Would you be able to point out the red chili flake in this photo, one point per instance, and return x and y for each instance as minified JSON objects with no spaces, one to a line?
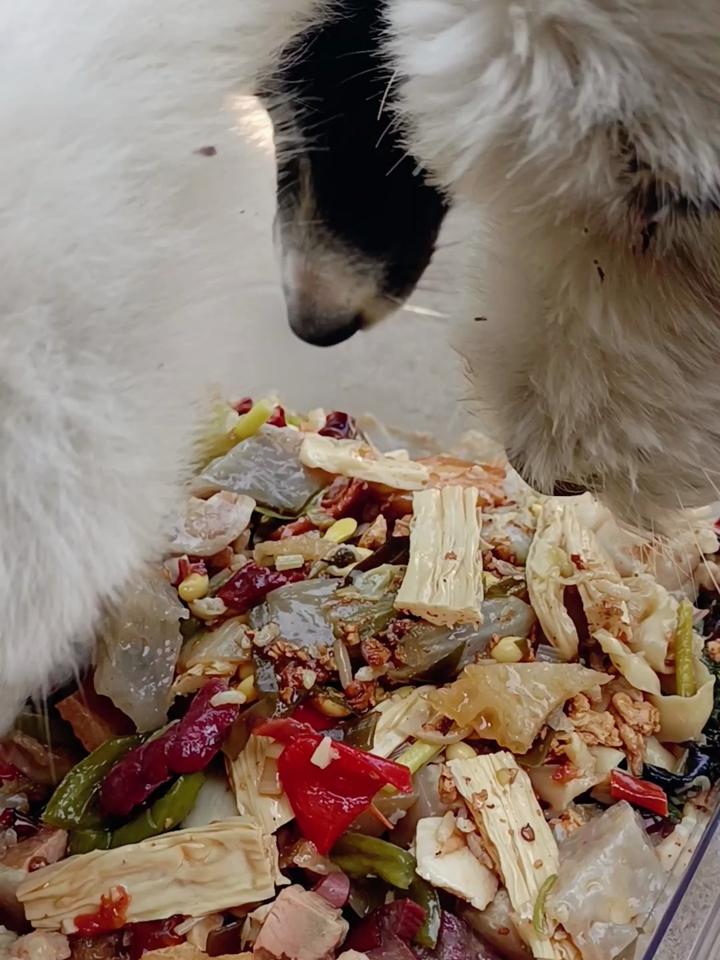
{"x":152,"y":935}
{"x":277,"y":418}
{"x":252,"y":583}
{"x":186,"y":567}
{"x":186,"y":747}
{"x":8,"y":771}
{"x":23,"y":826}
{"x":344,"y":497}
{"x":338,"y":425}
{"x":294,"y":529}
{"x":565,"y":773}
{"x":110,"y":915}
{"x":243,"y":406}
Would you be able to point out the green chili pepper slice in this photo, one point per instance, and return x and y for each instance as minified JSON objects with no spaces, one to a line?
{"x":360,"y":856}
{"x":425,"y":895}
{"x":84,"y":841}
{"x":165,"y":814}
{"x":70,"y":807}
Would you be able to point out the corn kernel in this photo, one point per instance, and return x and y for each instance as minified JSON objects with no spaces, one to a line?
{"x":247,"y":688}
{"x":507,"y":650}
{"x":460,"y":751}
{"x":194,"y":587}
{"x":341,"y":530}
{"x":330,"y":707}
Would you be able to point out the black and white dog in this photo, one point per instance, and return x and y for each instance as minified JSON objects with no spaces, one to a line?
{"x":583,"y":134}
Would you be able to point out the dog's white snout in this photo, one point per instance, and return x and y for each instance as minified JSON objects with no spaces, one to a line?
{"x":329,"y":294}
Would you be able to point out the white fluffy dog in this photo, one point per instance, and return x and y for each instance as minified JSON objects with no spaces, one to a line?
{"x":586,"y":131}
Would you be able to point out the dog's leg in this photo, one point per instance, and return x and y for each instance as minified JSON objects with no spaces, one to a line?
{"x":117,"y":301}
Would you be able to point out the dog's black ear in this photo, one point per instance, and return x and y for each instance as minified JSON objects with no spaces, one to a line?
{"x":350,"y":198}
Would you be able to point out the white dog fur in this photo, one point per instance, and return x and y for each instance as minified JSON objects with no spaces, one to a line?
{"x":112,"y":283}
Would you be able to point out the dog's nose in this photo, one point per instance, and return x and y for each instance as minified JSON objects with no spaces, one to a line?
{"x":324,"y":331}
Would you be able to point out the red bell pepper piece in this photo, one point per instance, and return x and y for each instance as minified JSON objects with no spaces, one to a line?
{"x":304,"y":713}
{"x":277,"y":417}
{"x":327,"y":801}
{"x":640,"y":793}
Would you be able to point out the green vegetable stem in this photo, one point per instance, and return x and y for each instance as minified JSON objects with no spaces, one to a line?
{"x":425,"y":895}
{"x":165,"y":814}
{"x":71,"y":806}
{"x":360,"y":856}
{"x":685,"y":680}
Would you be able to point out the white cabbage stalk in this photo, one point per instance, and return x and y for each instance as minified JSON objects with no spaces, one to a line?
{"x":608,"y":881}
{"x":548,"y":570}
{"x":501,"y":800}
{"x":209,"y":526}
{"x":400,"y":717}
{"x":654,"y":615}
{"x":683,"y":718}
{"x":459,"y":871}
{"x":190,"y":872}
{"x":557,"y":795}
{"x":354,"y":458}
{"x":443,"y":580}
{"x":246,"y":771}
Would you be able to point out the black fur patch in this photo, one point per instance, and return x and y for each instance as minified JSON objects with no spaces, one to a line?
{"x":369,"y":193}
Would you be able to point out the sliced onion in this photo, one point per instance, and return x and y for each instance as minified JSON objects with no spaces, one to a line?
{"x":342,"y":661}
{"x":335,"y":888}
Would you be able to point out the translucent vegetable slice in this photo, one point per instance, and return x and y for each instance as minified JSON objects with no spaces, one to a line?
{"x":500,"y":798}
{"x":443,"y":581}
{"x":191,"y":872}
{"x":609,"y":878}
{"x":208,"y":526}
{"x":356,"y":459}
{"x":137,"y":650}
{"x":510,"y":702}
{"x":265,"y":467}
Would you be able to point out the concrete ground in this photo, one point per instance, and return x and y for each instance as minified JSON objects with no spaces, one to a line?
{"x":403,"y":371}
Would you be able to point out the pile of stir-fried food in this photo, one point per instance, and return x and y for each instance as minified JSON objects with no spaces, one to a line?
{"x":370,"y":707}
